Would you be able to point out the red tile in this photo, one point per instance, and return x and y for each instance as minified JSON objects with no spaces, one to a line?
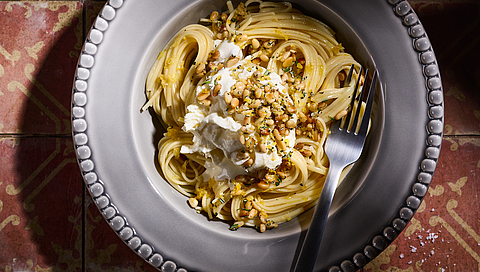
{"x":456,"y":42}
{"x":40,"y":205}
{"x":444,"y":234}
{"x":41,"y":42}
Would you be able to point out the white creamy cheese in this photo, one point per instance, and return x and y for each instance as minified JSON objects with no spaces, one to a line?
{"x":227,"y":49}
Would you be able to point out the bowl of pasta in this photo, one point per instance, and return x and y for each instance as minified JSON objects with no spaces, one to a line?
{"x":202,"y":138}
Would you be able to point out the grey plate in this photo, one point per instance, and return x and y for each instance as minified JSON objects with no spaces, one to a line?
{"x":116,"y":143}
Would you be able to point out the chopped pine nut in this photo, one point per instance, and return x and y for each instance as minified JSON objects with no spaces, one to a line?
{"x":248,"y":163}
{"x":263,"y":185}
{"x":217,"y":89}
{"x":200,"y":68}
{"x":287,"y":62}
{"x":248,"y":205}
{"x":237,"y":225}
{"x":202,"y":96}
{"x":252,"y":213}
{"x":235,"y":102}
{"x":281,"y":145}
{"x":228,"y":98}
{"x":291,"y":124}
{"x":255,"y":44}
{"x":214,"y":16}
{"x":232,"y":62}
{"x":193,"y":202}
{"x":216,"y":55}
{"x":285,"y":56}
{"x":263,"y":228}
{"x":263,"y":147}
{"x":264,"y":58}
{"x":205,"y":102}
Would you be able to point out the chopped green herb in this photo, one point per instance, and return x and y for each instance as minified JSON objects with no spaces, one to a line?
{"x":234,"y":227}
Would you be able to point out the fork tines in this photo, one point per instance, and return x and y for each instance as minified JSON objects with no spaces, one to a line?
{"x":369,"y":100}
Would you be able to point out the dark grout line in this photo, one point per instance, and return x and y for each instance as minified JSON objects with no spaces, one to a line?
{"x":460,"y":136}
{"x":33,"y":135}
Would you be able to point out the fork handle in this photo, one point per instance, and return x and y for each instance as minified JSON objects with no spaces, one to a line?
{"x":311,"y":243}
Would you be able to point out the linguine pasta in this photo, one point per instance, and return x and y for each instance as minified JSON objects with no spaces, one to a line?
{"x":248,"y":96}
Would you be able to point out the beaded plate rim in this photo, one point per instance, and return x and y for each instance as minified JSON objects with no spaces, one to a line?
{"x":118,"y":222}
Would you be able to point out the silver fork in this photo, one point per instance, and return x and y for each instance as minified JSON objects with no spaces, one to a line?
{"x":343,"y":147}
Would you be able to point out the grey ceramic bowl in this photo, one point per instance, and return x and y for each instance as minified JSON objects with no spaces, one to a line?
{"x":116,"y":143}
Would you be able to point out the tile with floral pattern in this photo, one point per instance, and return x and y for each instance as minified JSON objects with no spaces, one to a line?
{"x":40,"y":45}
{"x":40,"y":205}
{"x":444,"y":234}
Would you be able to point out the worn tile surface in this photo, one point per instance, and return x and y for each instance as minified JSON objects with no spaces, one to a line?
{"x":49,"y":223}
{"x":40,"y":204}
{"x":40,"y":44}
{"x":444,"y":234}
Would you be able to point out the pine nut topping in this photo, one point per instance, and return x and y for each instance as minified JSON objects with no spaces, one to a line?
{"x":263,"y":185}
{"x":193,"y":202}
{"x":237,"y":225}
{"x":224,"y":16}
{"x":258,"y":93}
{"x":255,"y":44}
{"x":291,"y":109}
{"x":263,"y":228}
{"x":206,"y":102}
{"x":247,"y":120}
{"x":281,"y":174}
{"x":255,"y":104}
{"x":264,"y":58}
{"x":200,"y":68}
{"x":248,"y":163}
{"x":270,"y":98}
{"x":203,"y":95}
{"x":234,"y":103}
{"x":228,"y":98}
{"x":285,"y":56}
{"x":252,"y":213}
{"x":217,"y":89}
{"x":263,"y":147}
{"x":291,"y":124}
{"x":232,"y":62}
{"x":215,"y":55}
{"x":248,"y":205}
{"x":269,"y":44}
{"x":282,"y":145}
{"x":277,"y":135}
{"x":287,"y":62}
{"x":243,"y":37}
{"x":246,"y":93}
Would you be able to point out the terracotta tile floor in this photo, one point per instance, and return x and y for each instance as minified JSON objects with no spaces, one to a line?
{"x":48,"y":222}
